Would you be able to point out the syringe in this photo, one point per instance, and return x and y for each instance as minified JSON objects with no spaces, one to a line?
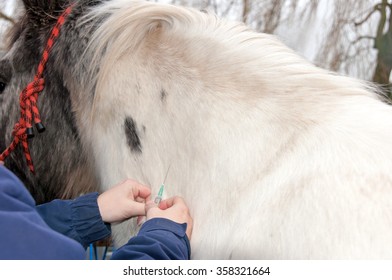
{"x":158,"y":198}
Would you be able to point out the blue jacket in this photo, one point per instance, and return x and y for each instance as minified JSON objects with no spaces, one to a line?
{"x":62,"y":229}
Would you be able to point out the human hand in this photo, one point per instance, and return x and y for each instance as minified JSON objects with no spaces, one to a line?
{"x":123,"y":201}
{"x":1,"y":162}
{"x":173,"y":209}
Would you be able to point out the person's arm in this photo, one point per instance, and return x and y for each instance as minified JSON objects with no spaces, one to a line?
{"x":164,"y":236}
{"x":23,"y":234}
{"x":87,"y":218}
{"x":158,"y":239}
{"x":78,"y":219}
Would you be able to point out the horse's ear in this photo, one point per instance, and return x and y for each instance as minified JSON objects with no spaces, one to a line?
{"x":41,"y":12}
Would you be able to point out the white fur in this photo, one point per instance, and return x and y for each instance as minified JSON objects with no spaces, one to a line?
{"x":276,"y":158}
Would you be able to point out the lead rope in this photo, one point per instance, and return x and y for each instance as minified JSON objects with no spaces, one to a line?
{"x":28,"y":98}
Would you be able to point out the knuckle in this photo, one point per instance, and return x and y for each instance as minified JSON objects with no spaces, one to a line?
{"x":127,"y":182}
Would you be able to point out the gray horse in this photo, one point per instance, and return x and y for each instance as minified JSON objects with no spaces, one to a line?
{"x":275,"y":157}
{"x":61,"y":166}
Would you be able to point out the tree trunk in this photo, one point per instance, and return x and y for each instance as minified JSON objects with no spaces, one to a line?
{"x":245,"y":11}
{"x":383,"y":43}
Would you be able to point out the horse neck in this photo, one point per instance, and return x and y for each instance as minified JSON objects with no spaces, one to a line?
{"x":195,"y":96}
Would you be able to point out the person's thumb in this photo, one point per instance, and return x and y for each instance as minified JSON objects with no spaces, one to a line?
{"x":138,"y":208}
{"x":149,"y":205}
{"x":152,"y":210}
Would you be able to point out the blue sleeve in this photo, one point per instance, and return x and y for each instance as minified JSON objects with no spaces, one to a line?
{"x":158,"y":239}
{"x":23,"y":233}
{"x":78,"y":219}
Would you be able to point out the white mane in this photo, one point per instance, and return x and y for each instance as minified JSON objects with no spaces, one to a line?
{"x":276,"y":158}
{"x":133,"y":25}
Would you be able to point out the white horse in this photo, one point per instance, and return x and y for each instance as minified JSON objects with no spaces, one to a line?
{"x":276,"y":158}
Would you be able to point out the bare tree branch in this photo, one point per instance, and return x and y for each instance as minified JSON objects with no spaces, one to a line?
{"x":360,"y":38}
{"x":369,"y":15}
{"x":7,"y":18}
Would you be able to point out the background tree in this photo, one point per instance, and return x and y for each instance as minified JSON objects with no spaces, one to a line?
{"x":383,"y":43}
{"x":347,"y":36}
{"x":359,"y":43}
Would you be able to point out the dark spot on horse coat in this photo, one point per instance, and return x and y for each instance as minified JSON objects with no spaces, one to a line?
{"x":163,"y":95}
{"x":133,"y":139}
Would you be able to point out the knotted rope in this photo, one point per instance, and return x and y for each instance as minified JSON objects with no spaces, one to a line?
{"x":28,"y":98}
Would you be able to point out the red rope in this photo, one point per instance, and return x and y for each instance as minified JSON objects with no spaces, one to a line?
{"x":29,"y":112}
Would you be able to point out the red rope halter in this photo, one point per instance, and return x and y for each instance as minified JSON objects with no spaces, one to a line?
{"x":29,"y":112}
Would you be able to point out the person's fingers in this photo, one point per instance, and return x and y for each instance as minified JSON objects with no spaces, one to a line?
{"x":138,"y":209}
{"x":168,"y":203}
{"x":149,"y":205}
{"x":140,"y":220}
{"x":183,"y":212}
{"x":140,"y":199}
{"x":141,"y":191}
{"x":189,"y":228}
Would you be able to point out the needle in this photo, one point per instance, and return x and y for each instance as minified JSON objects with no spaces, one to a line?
{"x":158,"y":198}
